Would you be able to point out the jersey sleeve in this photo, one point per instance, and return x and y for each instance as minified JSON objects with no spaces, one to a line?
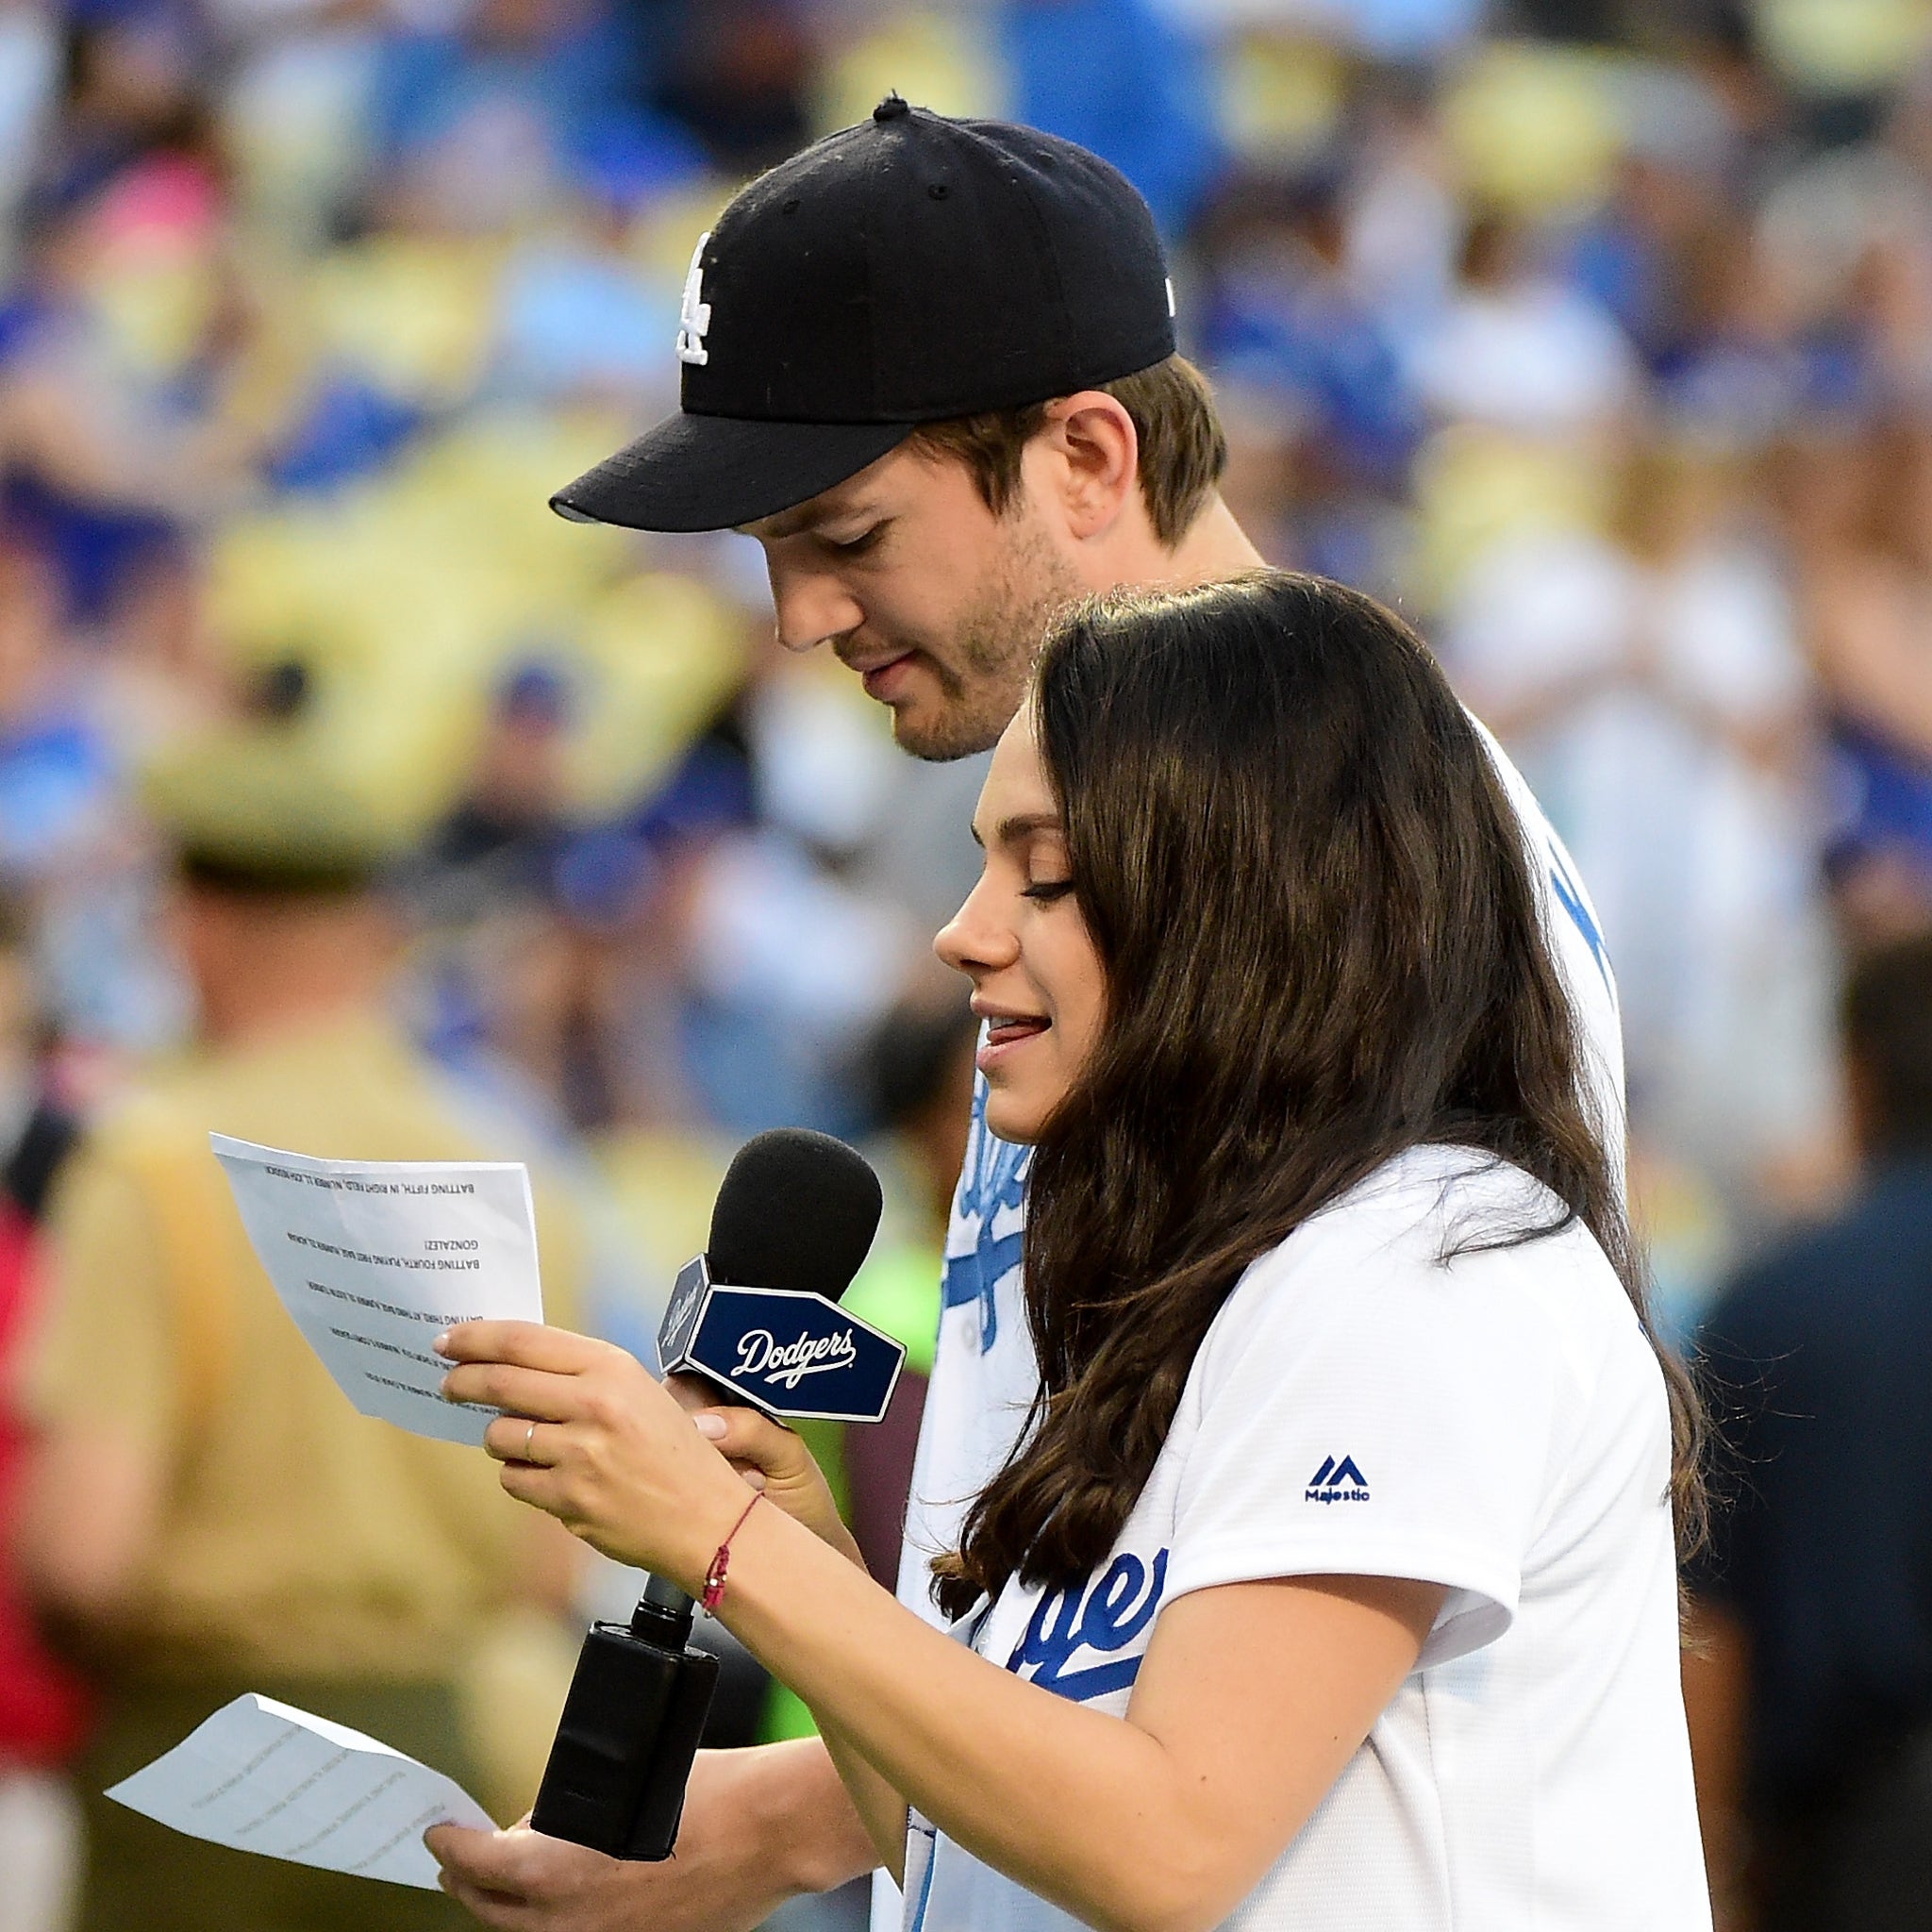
{"x":1383,"y":1415}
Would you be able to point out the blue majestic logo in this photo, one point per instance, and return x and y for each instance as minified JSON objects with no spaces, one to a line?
{"x":1104,"y":1614}
{"x":1326,"y":1483}
{"x":989,"y":1221}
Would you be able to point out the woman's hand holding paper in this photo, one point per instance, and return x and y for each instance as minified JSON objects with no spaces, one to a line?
{"x":589,"y":1436}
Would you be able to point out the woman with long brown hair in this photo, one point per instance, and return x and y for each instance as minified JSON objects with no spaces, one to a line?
{"x":1332,"y":1581}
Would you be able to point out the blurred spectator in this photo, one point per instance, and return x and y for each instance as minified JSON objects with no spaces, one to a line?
{"x":789,"y":960}
{"x":1810,"y":1689}
{"x":204,"y":1514}
{"x":29,"y":66}
{"x":37,"y":1124}
{"x":1730,"y":361}
{"x":1519,"y":348}
{"x":1404,"y":222}
{"x":1862,"y":510}
{"x":1650,"y":684}
{"x":1119,"y":78}
{"x":112,"y":376}
{"x":562,"y":974}
{"x":512,"y":817}
{"x":1288,"y":320}
{"x":132,"y":86}
{"x":42,"y":1708}
{"x":736,"y":75}
{"x":485,"y":117}
{"x":1630,"y":256}
{"x":55,"y":770}
{"x":579,"y":314}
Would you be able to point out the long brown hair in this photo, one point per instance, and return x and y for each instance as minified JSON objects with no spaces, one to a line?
{"x":1321,"y":946}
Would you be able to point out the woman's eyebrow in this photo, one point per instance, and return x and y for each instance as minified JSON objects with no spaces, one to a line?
{"x":1021,"y":826}
{"x":1011,"y":831}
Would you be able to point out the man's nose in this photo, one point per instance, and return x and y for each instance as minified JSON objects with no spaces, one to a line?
{"x":813,"y":608}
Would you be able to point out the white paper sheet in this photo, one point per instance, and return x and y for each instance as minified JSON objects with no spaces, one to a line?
{"x":375,"y":1259}
{"x":262,"y":1776}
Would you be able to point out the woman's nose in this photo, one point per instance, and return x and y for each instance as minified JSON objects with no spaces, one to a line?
{"x":975,"y":941}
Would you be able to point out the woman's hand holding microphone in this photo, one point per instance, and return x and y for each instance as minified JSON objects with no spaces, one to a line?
{"x":589,"y":1436}
{"x":771,"y":1459}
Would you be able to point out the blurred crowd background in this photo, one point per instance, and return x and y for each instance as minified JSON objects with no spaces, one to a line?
{"x":1595,"y":334}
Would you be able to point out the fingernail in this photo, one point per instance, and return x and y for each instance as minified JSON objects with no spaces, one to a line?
{"x":441,"y":1344}
{"x":710,"y":1426}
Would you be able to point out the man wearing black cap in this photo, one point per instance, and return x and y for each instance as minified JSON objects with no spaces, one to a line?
{"x":931,"y":366}
{"x":927,"y":363}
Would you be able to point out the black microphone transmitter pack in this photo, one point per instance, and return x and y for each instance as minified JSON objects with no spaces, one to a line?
{"x":629,"y":1731}
{"x":792,"y":1221}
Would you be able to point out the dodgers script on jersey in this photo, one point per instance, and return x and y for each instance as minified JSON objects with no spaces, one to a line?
{"x":1497,"y":1424}
{"x":985,"y":1374}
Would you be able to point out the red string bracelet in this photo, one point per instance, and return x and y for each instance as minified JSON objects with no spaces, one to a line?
{"x":714,"y":1593}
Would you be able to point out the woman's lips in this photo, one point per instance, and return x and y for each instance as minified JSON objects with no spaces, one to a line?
{"x":1003,"y":1037}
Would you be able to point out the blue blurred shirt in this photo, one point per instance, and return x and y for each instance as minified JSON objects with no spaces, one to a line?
{"x":1822,"y":1354}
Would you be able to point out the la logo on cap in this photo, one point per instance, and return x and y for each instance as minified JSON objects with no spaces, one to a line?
{"x":694,"y":316}
{"x":831,"y":345}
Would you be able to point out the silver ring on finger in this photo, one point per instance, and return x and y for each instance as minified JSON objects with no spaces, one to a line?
{"x":529,"y":1437}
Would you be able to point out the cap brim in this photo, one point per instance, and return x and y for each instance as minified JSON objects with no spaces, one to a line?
{"x":713,"y":473}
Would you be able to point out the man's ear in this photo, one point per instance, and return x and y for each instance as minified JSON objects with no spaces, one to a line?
{"x":1094,"y":452}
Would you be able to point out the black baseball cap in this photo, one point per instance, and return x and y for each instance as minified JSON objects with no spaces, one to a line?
{"x":909,"y":269}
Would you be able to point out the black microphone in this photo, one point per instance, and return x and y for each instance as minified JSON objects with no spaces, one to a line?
{"x":796,"y":1211}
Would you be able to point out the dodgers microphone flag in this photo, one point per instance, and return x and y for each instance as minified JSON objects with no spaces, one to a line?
{"x":796,"y":1208}
{"x":792,"y":1354}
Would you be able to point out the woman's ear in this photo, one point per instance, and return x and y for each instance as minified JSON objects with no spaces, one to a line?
{"x":1093,"y":458}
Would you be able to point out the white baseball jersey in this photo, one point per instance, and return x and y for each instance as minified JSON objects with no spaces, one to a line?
{"x":985,"y":1374}
{"x":1497,"y":1424}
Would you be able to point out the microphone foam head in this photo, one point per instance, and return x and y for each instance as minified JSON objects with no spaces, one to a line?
{"x":796,"y":1210}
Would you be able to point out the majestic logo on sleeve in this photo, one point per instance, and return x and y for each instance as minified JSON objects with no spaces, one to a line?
{"x":1103,"y":1614}
{"x":1336,"y":1482}
{"x":984,"y":1242}
{"x":694,"y":316}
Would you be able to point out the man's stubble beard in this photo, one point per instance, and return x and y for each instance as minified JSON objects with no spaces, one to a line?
{"x":991,"y":654}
